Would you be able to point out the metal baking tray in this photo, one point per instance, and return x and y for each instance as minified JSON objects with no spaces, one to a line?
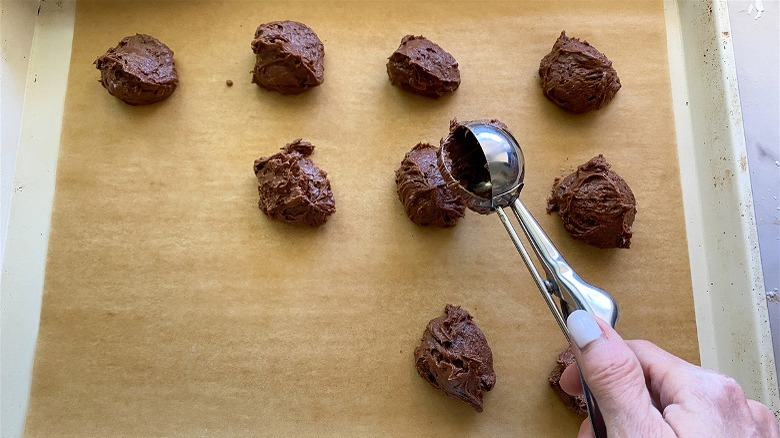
{"x":731,"y":313}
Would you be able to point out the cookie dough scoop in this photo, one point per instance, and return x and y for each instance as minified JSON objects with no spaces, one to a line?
{"x":483,"y":163}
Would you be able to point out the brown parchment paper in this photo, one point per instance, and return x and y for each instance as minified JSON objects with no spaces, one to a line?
{"x":174,"y":307}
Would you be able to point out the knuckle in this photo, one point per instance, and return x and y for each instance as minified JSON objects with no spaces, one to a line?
{"x":731,"y":390}
{"x":720,"y":388}
{"x":718,"y":392}
{"x":765,"y":418}
{"x":765,"y":413}
{"x":642,"y":344}
{"x":616,"y":374}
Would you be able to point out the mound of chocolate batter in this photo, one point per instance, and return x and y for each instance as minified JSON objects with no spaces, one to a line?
{"x":454,"y":356}
{"x":139,"y":70}
{"x":292,"y":188}
{"x":422,"y":191}
{"x":421,"y":66}
{"x":576,"y":403}
{"x":597,"y":205}
{"x":577,"y":77}
{"x":289,"y":57}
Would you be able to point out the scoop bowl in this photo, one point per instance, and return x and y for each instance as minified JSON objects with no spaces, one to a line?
{"x":484,"y":164}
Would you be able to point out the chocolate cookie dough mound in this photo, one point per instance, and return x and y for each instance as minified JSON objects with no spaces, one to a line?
{"x":139,"y":70}
{"x":292,"y":188}
{"x":596,"y":205}
{"x":576,"y":403}
{"x":422,"y":190}
{"x":577,"y":77}
{"x":289,"y":57}
{"x":454,"y":356}
{"x":421,"y":66}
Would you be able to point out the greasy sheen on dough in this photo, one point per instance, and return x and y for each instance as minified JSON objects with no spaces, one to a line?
{"x":292,"y":188}
{"x":289,"y":57}
{"x":423,"y":192}
{"x":140,"y":70}
{"x":423,"y":67}
{"x":577,"y":77}
{"x":596,"y":205}
{"x":577,"y":403}
{"x":454,"y":356}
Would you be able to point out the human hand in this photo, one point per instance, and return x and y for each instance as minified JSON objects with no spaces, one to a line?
{"x":643,"y":390}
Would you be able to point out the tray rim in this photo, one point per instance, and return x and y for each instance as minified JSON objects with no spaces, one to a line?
{"x":711,"y":144}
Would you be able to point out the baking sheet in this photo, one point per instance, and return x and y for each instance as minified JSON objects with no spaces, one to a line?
{"x":732,"y":320}
{"x":172,"y":306}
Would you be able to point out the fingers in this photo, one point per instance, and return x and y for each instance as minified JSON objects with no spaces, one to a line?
{"x":586,"y":430}
{"x":633,"y":380}
{"x":666,"y":375}
{"x":695,"y":399}
{"x":613,"y":373}
{"x":570,"y":380}
{"x":765,"y":420}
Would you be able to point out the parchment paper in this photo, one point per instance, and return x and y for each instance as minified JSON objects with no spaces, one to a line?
{"x":173,"y":306}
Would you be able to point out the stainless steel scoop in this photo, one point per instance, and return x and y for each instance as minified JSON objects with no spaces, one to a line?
{"x":485,"y":165}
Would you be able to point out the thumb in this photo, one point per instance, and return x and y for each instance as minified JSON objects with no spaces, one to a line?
{"x":613,"y":373}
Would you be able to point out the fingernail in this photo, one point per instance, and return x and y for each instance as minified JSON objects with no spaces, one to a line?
{"x":582,"y":328}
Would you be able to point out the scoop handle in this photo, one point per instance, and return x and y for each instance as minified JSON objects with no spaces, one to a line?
{"x":594,"y":413}
{"x":574,"y":292}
